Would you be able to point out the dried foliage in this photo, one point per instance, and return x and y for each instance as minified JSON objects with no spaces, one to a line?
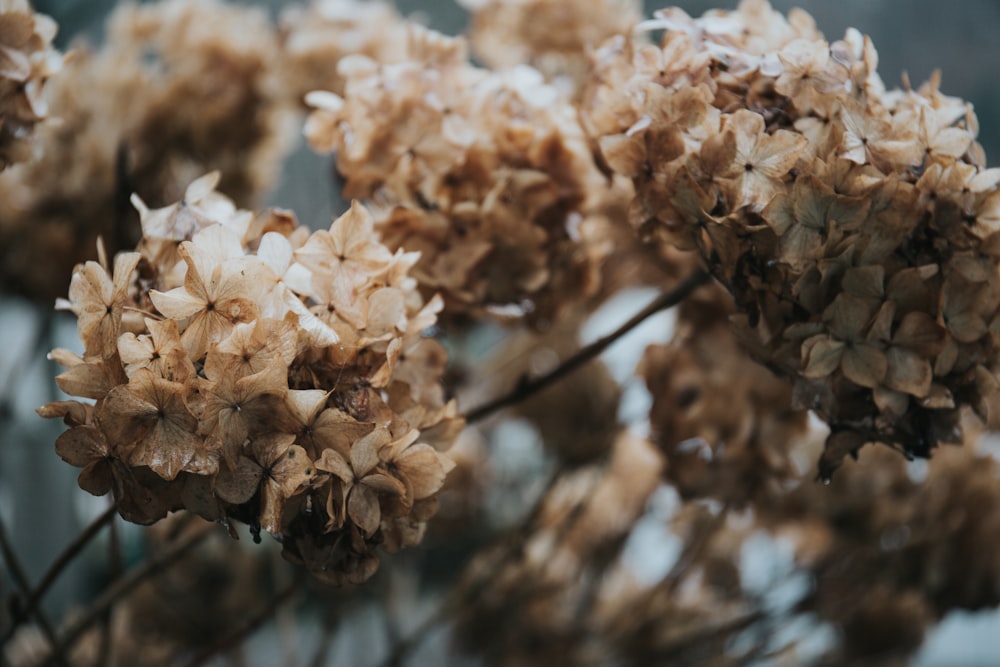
{"x":486,"y":174}
{"x":27,"y":60}
{"x":240,"y":367}
{"x":853,"y":225}
{"x":508,"y":33}
{"x":178,"y":88}
{"x":315,"y":38}
{"x":245,"y":369}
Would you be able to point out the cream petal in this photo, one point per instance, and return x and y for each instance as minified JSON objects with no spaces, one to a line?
{"x":177,"y":304}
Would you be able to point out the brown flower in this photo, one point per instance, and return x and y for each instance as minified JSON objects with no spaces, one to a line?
{"x":150,"y":418}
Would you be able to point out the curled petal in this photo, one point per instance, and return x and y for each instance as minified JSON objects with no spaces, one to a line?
{"x":821,"y":356}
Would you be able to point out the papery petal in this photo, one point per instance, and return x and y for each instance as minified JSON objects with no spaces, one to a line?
{"x":363,"y":508}
{"x":177,"y":304}
{"x":421,"y":467}
{"x":81,"y":445}
{"x":238,"y":485}
{"x":908,"y":372}
{"x":335,"y":464}
{"x":364,"y":452}
{"x":821,"y":356}
{"x":864,"y":365}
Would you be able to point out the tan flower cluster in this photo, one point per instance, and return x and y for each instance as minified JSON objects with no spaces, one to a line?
{"x":188,"y":606}
{"x":855,"y":226}
{"x":214,"y":99}
{"x":244,"y":369}
{"x":553,"y":36}
{"x":725,"y":423}
{"x":314,"y":39}
{"x":528,"y":605}
{"x":178,"y":88}
{"x":592,"y":397}
{"x":487,"y":174}
{"x":27,"y":60}
{"x":889,"y":552}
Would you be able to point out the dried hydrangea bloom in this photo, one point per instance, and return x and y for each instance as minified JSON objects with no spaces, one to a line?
{"x":244,"y":369}
{"x":218,"y":101}
{"x":553,"y":36}
{"x":854,"y":226}
{"x":724,"y":421}
{"x":925,"y":541}
{"x":531,"y":605}
{"x":210,"y":100}
{"x":185,"y":607}
{"x":486,"y":174}
{"x":27,"y":60}
{"x":315,"y":38}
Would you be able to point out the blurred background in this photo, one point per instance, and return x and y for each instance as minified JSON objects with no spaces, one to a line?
{"x":40,"y":504}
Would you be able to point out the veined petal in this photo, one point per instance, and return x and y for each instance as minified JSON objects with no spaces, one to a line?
{"x":864,"y":365}
{"x":177,"y":304}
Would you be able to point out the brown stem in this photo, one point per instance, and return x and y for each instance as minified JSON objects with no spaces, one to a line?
{"x":322,"y":652}
{"x":57,"y":567}
{"x":526,"y":388}
{"x":236,"y":637}
{"x":124,"y":585}
{"x":454,"y":602}
{"x":21,"y":580}
{"x":115,"y":564}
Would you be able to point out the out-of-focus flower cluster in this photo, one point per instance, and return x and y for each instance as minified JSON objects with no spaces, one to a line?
{"x":487,"y":174}
{"x":178,"y":88}
{"x":314,"y":39}
{"x":553,"y":36}
{"x":245,"y":369}
{"x":27,"y":60}
{"x":855,"y":571}
{"x":855,"y":226}
{"x":527,"y":600}
{"x":725,"y":422}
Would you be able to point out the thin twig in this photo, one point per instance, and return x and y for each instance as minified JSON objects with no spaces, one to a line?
{"x":453,"y":602}
{"x":693,"y":550}
{"x":115,"y":571}
{"x":128,"y":582}
{"x":528,"y":387}
{"x":57,"y":567}
{"x":236,"y":637}
{"x":21,"y":580}
{"x":667,"y":651}
{"x":328,"y":632}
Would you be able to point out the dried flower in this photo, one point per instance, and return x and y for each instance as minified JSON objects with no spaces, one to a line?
{"x":315,"y":39}
{"x":210,"y":99}
{"x":27,"y":60}
{"x":553,"y":36}
{"x":238,"y":380}
{"x":853,"y":225}
{"x":486,"y":174}
{"x":724,"y":422}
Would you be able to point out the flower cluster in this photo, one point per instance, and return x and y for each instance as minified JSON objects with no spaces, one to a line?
{"x":27,"y":60}
{"x":209,"y":100}
{"x":854,"y":225}
{"x":214,"y":92}
{"x":553,"y":36}
{"x":487,"y":174}
{"x":245,"y":369}
{"x":315,"y":38}
{"x":725,"y":423}
{"x":890,"y":552}
{"x":529,"y":601}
